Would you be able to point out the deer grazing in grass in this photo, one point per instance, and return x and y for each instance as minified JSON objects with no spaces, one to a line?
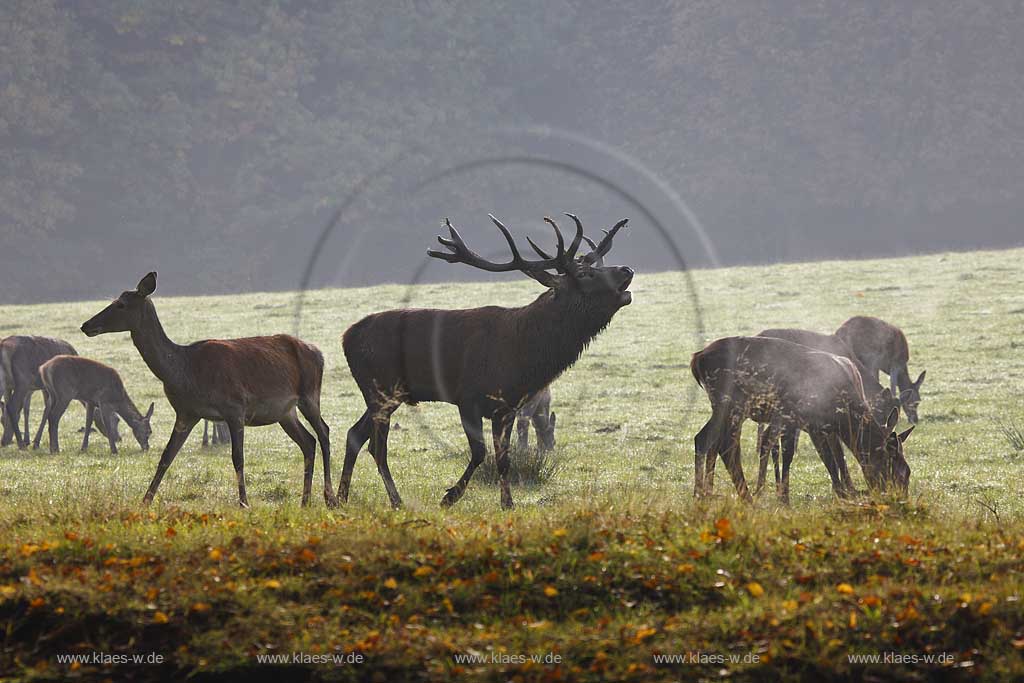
{"x":880,"y":346}
{"x":782,"y":385}
{"x":252,"y":381}
{"x":487,"y":361}
{"x":20,"y":359}
{"x":880,"y":399}
{"x":66,"y":378}
{"x":536,"y":411}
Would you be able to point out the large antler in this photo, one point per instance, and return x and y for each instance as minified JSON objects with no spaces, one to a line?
{"x":596,"y":256}
{"x":460,"y":253}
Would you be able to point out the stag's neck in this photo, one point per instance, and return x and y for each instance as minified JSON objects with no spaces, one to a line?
{"x":165,"y":358}
{"x":557,"y":330}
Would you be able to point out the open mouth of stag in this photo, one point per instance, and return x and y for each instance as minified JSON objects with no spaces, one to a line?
{"x":625,"y":296}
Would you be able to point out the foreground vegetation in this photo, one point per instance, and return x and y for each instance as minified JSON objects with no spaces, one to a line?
{"x":605,"y":564}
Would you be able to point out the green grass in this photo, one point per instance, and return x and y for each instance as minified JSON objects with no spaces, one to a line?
{"x":606,"y":560}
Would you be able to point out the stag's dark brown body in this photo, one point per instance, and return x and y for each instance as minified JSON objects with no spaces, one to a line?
{"x":782,"y":385}
{"x":488,"y":361}
{"x":252,"y":381}
{"x":880,"y":399}
{"x":882,"y":347}
{"x":69,"y":378}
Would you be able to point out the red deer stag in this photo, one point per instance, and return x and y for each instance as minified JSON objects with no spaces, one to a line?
{"x":782,"y":385}
{"x":20,"y":359}
{"x":67,"y":378}
{"x":881,"y":401}
{"x":880,"y":346}
{"x":487,"y":361}
{"x":536,"y":411}
{"x":253,"y":381}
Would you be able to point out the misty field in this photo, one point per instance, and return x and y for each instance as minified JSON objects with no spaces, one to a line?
{"x":606,"y":566}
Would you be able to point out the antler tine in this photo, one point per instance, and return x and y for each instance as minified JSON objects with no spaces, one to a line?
{"x":541,"y":252}
{"x":606,"y":242}
{"x":508,"y":238}
{"x":558,"y":235}
{"x":593,"y":247}
{"x":575,"y":244}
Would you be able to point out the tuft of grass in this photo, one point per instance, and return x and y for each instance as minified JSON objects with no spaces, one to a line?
{"x":1013,"y":434}
{"x":527,"y":467}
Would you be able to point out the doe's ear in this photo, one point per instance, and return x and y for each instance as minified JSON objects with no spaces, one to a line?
{"x":149,"y":413}
{"x":903,"y":437}
{"x":147,"y":285}
{"x":920,"y":380}
{"x":892,"y":420}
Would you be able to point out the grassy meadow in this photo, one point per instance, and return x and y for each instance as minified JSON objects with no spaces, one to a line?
{"x":605,"y":566}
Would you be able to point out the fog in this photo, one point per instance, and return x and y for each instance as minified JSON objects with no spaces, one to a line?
{"x":259,"y":146}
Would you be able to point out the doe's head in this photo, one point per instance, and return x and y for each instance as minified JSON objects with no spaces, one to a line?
{"x":124,"y":313}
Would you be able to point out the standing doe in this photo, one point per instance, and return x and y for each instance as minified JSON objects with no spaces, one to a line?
{"x":781,"y":384}
{"x":66,"y":378}
{"x":880,"y":346}
{"x":488,"y":360}
{"x":253,"y":381}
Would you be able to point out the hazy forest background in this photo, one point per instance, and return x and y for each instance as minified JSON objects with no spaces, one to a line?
{"x":214,"y":140}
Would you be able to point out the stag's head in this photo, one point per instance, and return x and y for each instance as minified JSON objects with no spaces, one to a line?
{"x":580,"y":278}
{"x":885,"y":464}
{"x":124,"y":313}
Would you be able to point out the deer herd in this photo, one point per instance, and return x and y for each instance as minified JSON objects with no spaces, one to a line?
{"x":491,"y":362}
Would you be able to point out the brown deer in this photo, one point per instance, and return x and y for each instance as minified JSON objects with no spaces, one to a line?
{"x":781,"y":384}
{"x":881,"y":400}
{"x":20,"y":359}
{"x":253,"y":381}
{"x":536,"y":411}
{"x":220,"y":433}
{"x":487,"y":361}
{"x":67,"y":378}
{"x":880,"y":346}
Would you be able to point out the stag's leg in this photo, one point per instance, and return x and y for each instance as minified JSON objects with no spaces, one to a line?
{"x":55,"y":410}
{"x":311,"y":411}
{"x":293,"y":428}
{"x":357,"y":436}
{"x":824,"y":448}
{"x":501,"y":428}
{"x":183,"y":426}
{"x":522,"y":432}
{"x":790,"y":435}
{"x":472,"y":423}
{"x":90,"y":409}
{"x":730,"y":450}
{"x":206,"y":430}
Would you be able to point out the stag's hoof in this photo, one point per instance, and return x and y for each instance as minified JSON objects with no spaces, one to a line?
{"x":451,"y":498}
{"x":244,"y":504}
{"x":331,"y":501}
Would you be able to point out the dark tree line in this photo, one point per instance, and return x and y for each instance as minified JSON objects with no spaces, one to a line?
{"x":213,"y":140}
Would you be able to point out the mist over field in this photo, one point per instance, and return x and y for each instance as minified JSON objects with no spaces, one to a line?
{"x":214,"y":141}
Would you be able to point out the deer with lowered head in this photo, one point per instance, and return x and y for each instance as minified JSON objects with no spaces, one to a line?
{"x":487,"y":361}
{"x":785,"y":385}
{"x":881,"y":346}
{"x":881,"y":400}
{"x":67,"y":378}
{"x":536,"y":411}
{"x":252,"y":381}
{"x":20,"y":359}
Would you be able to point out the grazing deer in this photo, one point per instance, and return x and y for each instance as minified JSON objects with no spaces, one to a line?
{"x":66,"y":378}
{"x":253,"y":381}
{"x":881,"y":401}
{"x":20,"y":359}
{"x":781,"y":384}
{"x":220,"y":433}
{"x":536,"y":410}
{"x":487,"y":361}
{"x":880,"y":346}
